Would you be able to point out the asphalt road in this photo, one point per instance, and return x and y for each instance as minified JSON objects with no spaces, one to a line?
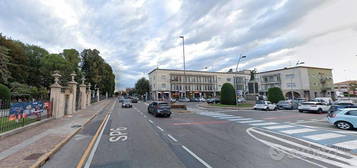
{"x":134,"y":138}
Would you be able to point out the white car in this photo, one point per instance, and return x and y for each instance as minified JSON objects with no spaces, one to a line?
{"x":202,"y":99}
{"x":318,"y":107}
{"x":264,"y":105}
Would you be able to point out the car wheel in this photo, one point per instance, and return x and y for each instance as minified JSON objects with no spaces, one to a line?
{"x":301,"y":111}
{"x":266,"y":109}
{"x":319,"y":111}
{"x":343,"y":125}
{"x":168,"y":116}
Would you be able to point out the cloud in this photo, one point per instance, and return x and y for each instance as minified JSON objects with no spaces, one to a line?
{"x":135,"y":37}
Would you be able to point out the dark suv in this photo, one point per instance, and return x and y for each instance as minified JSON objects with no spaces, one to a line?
{"x":159,"y":109}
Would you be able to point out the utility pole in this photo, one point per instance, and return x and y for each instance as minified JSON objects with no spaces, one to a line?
{"x":235,"y":78}
{"x":184,"y":64}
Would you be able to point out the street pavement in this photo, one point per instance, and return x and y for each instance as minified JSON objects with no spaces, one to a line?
{"x":209,"y":138}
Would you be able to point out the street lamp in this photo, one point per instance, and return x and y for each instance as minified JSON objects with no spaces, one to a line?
{"x":291,"y":79}
{"x":184,"y":63}
{"x":236,"y":78}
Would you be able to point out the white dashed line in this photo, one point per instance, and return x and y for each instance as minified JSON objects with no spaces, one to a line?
{"x":171,"y":137}
{"x":160,"y":128}
{"x":195,"y":156}
{"x":151,"y":121}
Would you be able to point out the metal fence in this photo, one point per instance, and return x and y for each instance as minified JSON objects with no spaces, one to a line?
{"x":15,"y":115}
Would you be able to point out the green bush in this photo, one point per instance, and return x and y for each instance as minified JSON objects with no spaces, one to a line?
{"x":228,"y":94}
{"x":275,"y":95}
{"x":5,"y":93}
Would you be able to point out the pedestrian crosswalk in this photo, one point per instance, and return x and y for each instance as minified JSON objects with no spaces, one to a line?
{"x":312,"y":134}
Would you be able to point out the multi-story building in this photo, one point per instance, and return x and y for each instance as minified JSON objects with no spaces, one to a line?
{"x":346,"y":87}
{"x":167,"y":83}
{"x":301,"y":82}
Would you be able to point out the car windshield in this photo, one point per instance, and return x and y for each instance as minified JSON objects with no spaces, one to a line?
{"x":164,"y":105}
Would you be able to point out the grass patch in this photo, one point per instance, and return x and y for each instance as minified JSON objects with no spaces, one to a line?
{"x":7,"y":125}
{"x":239,"y":105}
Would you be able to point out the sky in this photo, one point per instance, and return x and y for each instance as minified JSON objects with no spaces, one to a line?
{"x":136,"y":36}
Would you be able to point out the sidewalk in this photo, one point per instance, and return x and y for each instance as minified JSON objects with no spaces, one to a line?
{"x":24,"y":149}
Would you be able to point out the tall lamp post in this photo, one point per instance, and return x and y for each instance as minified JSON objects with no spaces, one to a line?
{"x":291,"y":79}
{"x":236,"y":78}
{"x":184,"y":63}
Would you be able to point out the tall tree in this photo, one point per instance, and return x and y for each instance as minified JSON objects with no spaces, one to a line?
{"x":142,"y":86}
{"x":4,"y":61}
{"x":34,"y":54}
{"x":51,"y":63}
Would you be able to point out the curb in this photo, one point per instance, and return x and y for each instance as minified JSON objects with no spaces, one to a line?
{"x":24,"y":128}
{"x":43,"y":159}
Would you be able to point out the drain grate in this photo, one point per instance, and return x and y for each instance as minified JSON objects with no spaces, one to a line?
{"x":76,"y":126}
{"x":33,"y":156}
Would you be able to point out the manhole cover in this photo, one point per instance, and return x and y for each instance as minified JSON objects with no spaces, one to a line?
{"x":76,"y":126}
{"x":33,"y":156}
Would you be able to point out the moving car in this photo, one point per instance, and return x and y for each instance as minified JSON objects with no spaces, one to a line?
{"x":126,"y":104}
{"x":121,"y":99}
{"x":287,"y":104}
{"x":134,"y":100}
{"x":158,"y":108}
{"x":343,"y":118}
{"x":264,"y":105}
{"x":213,"y":100}
{"x":314,"y":106}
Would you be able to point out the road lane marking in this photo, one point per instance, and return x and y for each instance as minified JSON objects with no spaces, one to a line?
{"x":324,"y":136}
{"x":239,"y":119}
{"x":279,"y":127}
{"x":160,"y":128}
{"x":317,"y":154}
{"x":151,"y":121}
{"x":262,"y":124}
{"x":144,"y":116}
{"x":195,"y":156}
{"x":91,"y":155}
{"x":347,"y":144}
{"x":297,"y":131}
{"x":171,"y":137}
{"x":251,"y":121}
{"x":201,"y":122}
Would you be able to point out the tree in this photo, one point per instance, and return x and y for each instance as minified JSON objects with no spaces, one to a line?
{"x":35,"y":54}
{"x":275,"y":95}
{"x":5,"y":93}
{"x":228,"y":95}
{"x":51,"y":63}
{"x":142,"y":86}
{"x":4,"y":61}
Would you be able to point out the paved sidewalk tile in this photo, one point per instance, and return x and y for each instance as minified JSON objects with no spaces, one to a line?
{"x":23,"y":149}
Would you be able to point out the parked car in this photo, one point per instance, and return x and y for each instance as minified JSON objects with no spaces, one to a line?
{"x":241,"y":100}
{"x":264,"y":105}
{"x":213,"y":100}
{"x":326,"y":100}
{"x":172,"y":100}
{"x":202,"y":99}
{"x":338,"y":106}
{"x":345,"y":118}
{"x":314,"y":106}
{"x":344,"y":100}
{"x":158,"y":108}
{"x":183,"y":100}
{"x":134,"y":100}
{"x":194,"y":100}
{"x":126,"y":104}
{"x":287,"y":104}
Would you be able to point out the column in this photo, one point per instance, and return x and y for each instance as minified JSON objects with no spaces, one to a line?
{"x":89,"y":95}
{"x":106,"y":95}
{"x":83,"y":94}
{"x":55,"y":96}
{"x":73,"y":87}
{"x":98,"y":95}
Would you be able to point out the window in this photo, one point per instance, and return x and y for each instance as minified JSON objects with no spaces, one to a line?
{"x":352,"y":113}
{"x":228,"y":79}
{"x":290,"y":76}
{"x":163,"y":85}
{"x":291,"y":85}
{"x":163,"y":77}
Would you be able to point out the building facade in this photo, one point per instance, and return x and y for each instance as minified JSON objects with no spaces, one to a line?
{"x":346,"y":88}
{"x":168,"y":83}
{"x":298,"y":82}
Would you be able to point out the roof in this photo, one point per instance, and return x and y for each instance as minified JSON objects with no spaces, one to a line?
{"x":240,"y":72}
{"x":346,"y":82}
{"x":286,"y":68}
